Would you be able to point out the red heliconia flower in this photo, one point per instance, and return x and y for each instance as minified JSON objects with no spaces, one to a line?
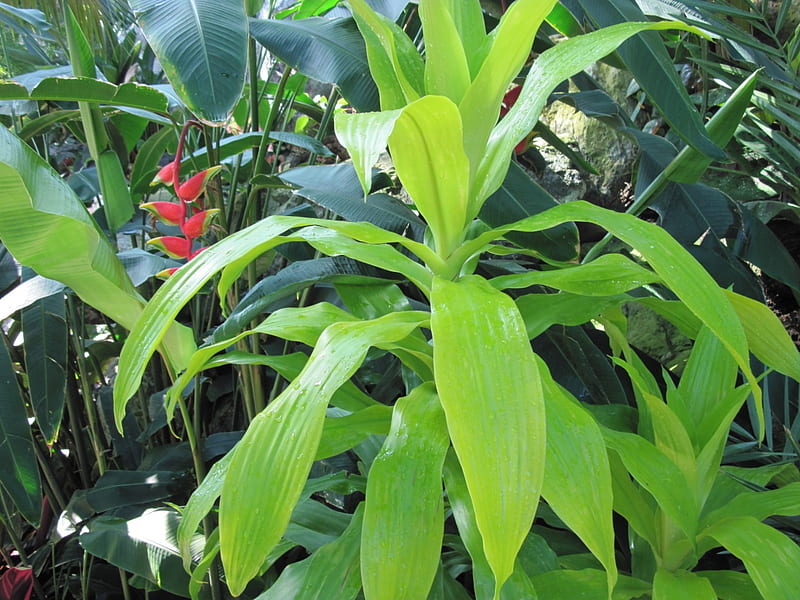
{"x":509,"y":100}
{"x":198,"y":224}
{"x":174,"y":246}
{"x":165,"y":175}
{"x":190,"y":190}
{"x":171,"y":213}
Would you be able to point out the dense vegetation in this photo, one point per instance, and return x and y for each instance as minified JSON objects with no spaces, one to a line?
{"x":405,"y":374}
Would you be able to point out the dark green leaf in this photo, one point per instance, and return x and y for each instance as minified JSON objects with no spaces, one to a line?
{"x":329,"y":50}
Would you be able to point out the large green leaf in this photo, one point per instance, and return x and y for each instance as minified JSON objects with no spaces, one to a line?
{"x":677,"y":586}
{"x":446,"y":65}
{"x":202,"y":46}
{"x":46,"y":227}
{"x":77,"y":89}
{"x":44,"y":327}
{"x":19,"y":473}
{"x":256,"y":503}
{"x":330,"y":573}
{"x":769,"y":556}
{"x":329,"y":50}
{"x":490,"y":389}
{"x":401,"y":540}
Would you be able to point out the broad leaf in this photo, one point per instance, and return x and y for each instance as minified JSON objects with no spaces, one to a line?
{"x":329,"y":50}
{"x":202,"y":46}
{"x":401,"y":540}
{"x":446,"y":67}
{"x":40,"y":209}
{"x":682,"y":584}
{"x":490,"y":389}
{"x":256,"y":504}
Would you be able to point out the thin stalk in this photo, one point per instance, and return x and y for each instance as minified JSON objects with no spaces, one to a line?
{"x":74,"y":412}
{"x":86,"y":390}
{"x":325,"y":121}
{"x":53,"y":488}
{"x":213,"y":159}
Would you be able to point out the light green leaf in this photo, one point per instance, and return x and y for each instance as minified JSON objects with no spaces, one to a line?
{"x":401,"y":539}
{"x":732,"y":585}
{"x":339,"y":434}
{"x":427,"y":150}
{"x":47,"y":228}
{"x":202,"y":46}
{"x":490,"y":389}
{"x":365,"y":136}
{"x":577,"y":477}
{"x":677,"y":268}
{"x":510,"y":45}
{"x":769,"y":556}
{"x":394,"y":62}
{"x":330,"y":573}
{"x":784,"y":501}
{"x":658,"y":475}
{"x":608,"y":275}
{"x":540,"y":311}
{"x":682,"y":584}
{"x":446,"y":67}
{"x":273,"y":459}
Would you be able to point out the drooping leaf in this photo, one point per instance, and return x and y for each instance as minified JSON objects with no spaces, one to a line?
{"x":40,"y":209}
{"x":401,"y":539}
{"x":285,"y":436}
{"x":490,"y":389}
{"x":329,"y":50}
{"x":202,"y":46}
{"x":19,"y":472}
{"x":647,"y":58}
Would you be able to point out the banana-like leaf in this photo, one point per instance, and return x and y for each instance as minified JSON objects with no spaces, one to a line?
{"x":86,"y":89}
{"x":577,"y":477}
{"x":682,"y":584}
{"x":769,"y":556}
{"x":257,"y":502}
{"x":19,"y":472}
{"x":608,"y":275}
{"x":551,"y":68}
{"x":490,"y":388}
{"x":46,"y":227}
{"x":145,"y":546}
{"x":426,"y":145}
{"x":329,"y":50}
{"x":401,"y":539}
{"x":202,"y":46}
{"x":44,"y":328}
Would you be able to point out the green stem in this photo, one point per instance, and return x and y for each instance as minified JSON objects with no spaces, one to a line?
{"x":53,"y":488}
